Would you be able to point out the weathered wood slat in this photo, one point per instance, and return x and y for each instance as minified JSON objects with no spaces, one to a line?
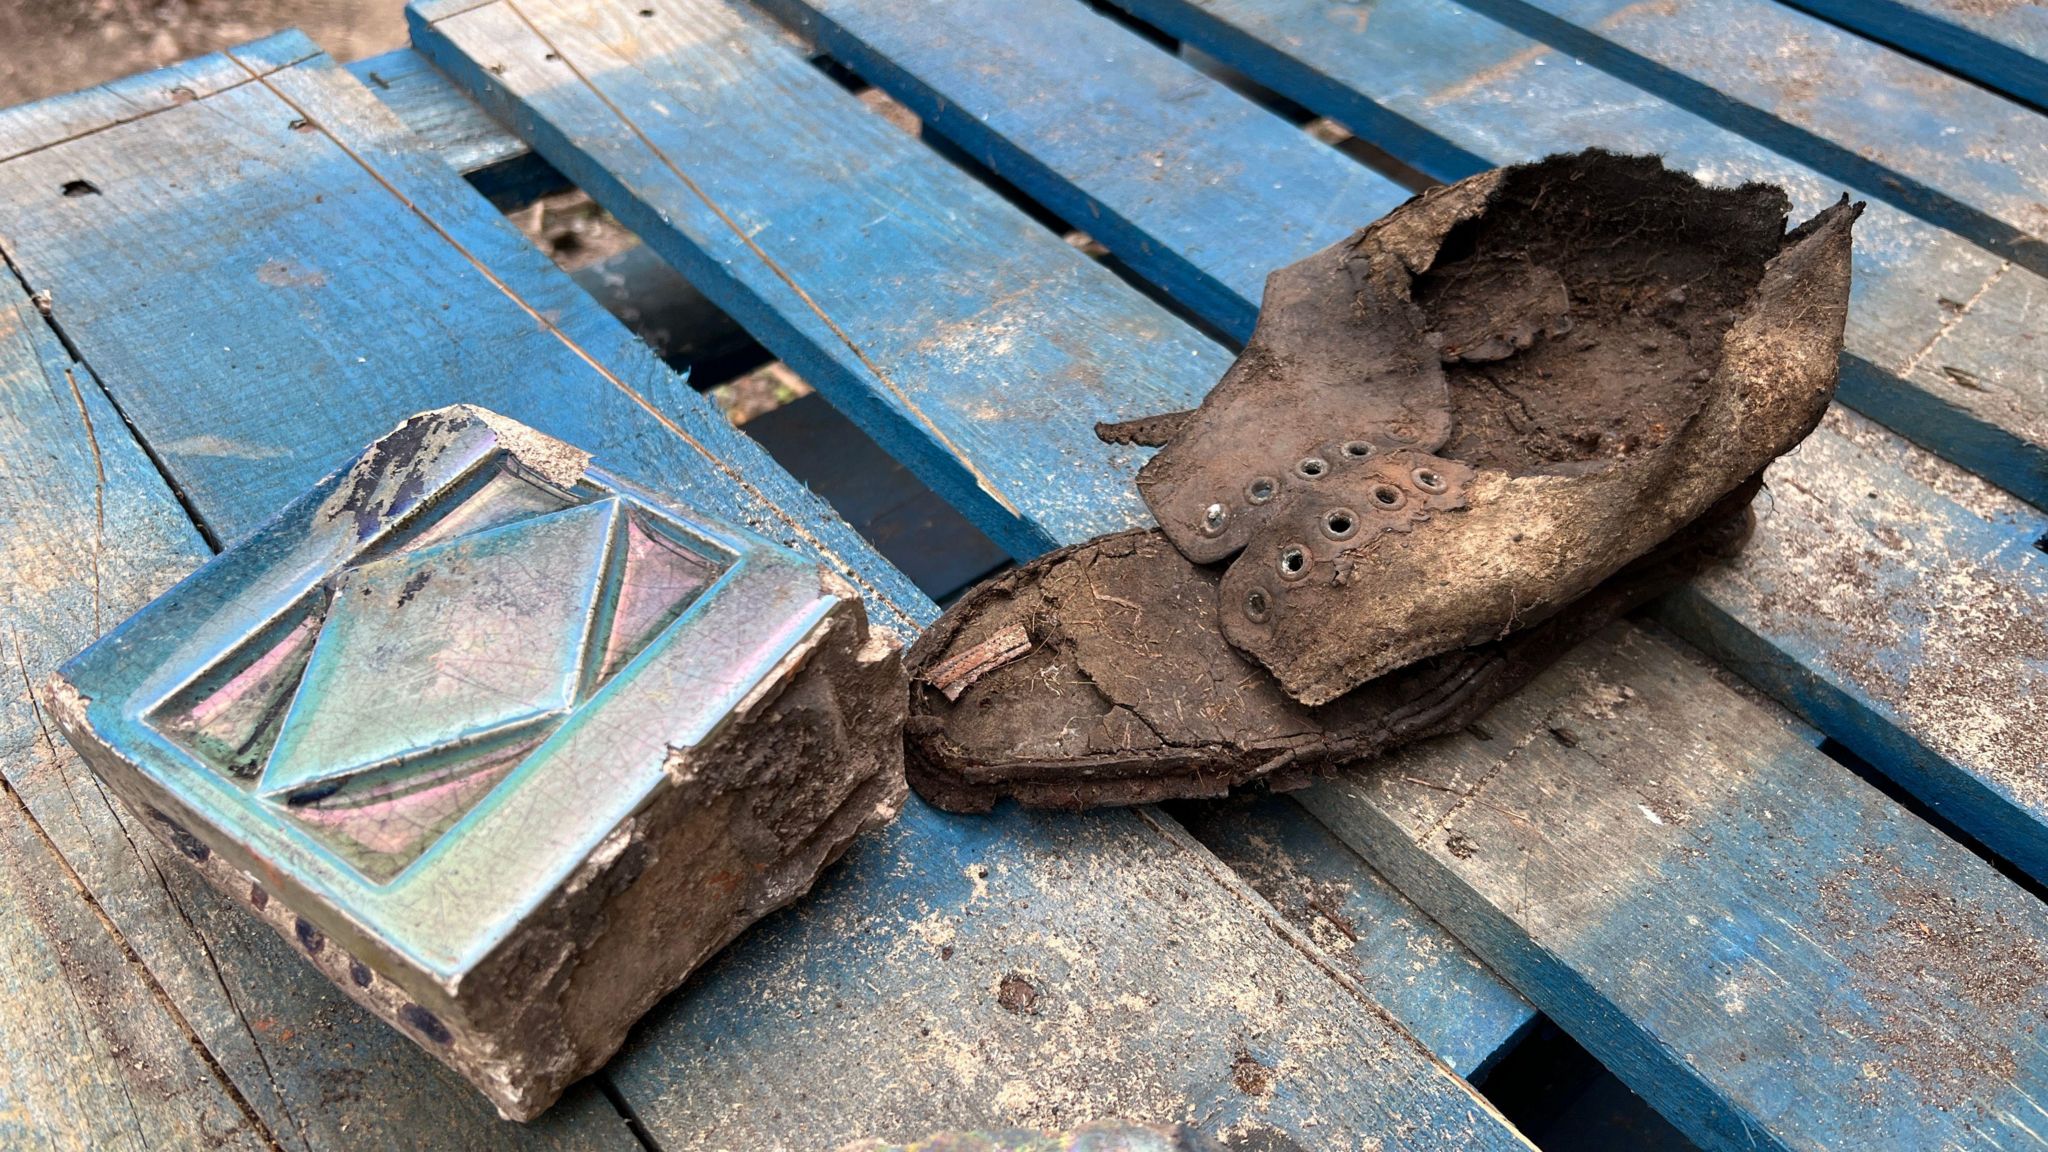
{"x":1935,"y":319}
{"x":496,"y":162}
{"x":983,"y":76}
{"x":1405,"y":960}
{"x":1032,"y":971}
{"x":1897,"y":129}
{"x":1963,"y":751}
{"x":1902,"y":605}
{"x":287,"y":234}
{"x":95,"y":1056}
{"x":1146,"y":885}
{"x":88,"y":534}
{"x":2002,"y":46}
{"x":94,"y":1059}
{"x":1765,"y":948}
{"x":972,"y":346}
{"x":436,"y":111}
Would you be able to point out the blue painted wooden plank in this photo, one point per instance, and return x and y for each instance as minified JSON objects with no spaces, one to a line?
{"x":877,"y":1006}
{"x":437,"y":111}
{"x":936,"y":53}
{"x":89,"y":532}
{"x":1927,"y":306}
{"x":2003,"y":46}
{"x":1902,"y":131}
{"x":1431,"y":983}
{"x":97,"y":1053}
{"x":1765,"y":948}
{"x":969,"y":343}
{"x":285,"y":235}
{"x":1903,"y":606}
{"x":987,"y":77}
{"x":497,"y":163}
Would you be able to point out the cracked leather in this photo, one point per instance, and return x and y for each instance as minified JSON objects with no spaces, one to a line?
{"x":1457,"y":441}
{"x":1320,"y":462}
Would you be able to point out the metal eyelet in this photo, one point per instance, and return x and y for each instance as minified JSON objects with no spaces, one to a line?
{"x":1214,"y":519}
{"x":1357,"y":449}
{"x":1261,"y":489}
{"x":1388,"y":498}
{"x":1340,"y":524}
{"x":1311,"y":467}
{"x":1430,"y":481}
{"x":1256,"y":606}
{"x":1294,"y":562}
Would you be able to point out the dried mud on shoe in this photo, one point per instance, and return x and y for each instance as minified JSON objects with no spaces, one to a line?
{"x":1093,"y":678}
{"x":1445,"y":432}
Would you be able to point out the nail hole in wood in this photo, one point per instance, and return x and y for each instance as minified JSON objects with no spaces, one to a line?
{"x":76,"y":188}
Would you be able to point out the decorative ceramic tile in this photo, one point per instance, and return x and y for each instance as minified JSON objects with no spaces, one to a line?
{"x":504,"y":744}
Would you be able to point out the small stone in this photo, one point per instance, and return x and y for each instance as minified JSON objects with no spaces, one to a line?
{"x":1016,"y":994}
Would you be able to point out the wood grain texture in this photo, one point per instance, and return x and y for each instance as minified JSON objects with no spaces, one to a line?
{"x":286,"y":237}
{"x":1766,"y":949}
{"x":92,"y":1053}
{"x":1434,"y":985}
{"x":970,"y":343}
{"x":94,"y":1059}
{"x":88,"y":534}
{"x":1902,"y":605}
{"x":1921,"y":295}
{"x":1782,"y":615}
{"x":1903,"y":131}
{"x":1035,"y":969}
{"x":436,"y":111}
{"x":2003,"y":46}
{"x":493,"y":160}
{"x":1044,"y":93}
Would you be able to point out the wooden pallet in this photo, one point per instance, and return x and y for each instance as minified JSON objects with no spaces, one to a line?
{"x":230,"y":273}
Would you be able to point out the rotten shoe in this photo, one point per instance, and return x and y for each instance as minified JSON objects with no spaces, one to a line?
{"x":1457,"y":441}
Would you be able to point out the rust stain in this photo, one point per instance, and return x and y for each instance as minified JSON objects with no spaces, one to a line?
{"x":290,"y":274}
{"x":1486,"y":77}
{"x":1631,"y":12}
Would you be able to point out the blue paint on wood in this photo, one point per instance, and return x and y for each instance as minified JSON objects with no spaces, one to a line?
{"x":1899,"y":130}
{"x":285,"y":237}
{"x":1431,"y":983}
{"x":497,"y":163}
{"x":1502,"y":96}
{"x":973,"y":345}
{"x":2002,"y":46}
{"x":1040,"y":92}
{"x":1910,"y":626}
{"x":1634,"y":882}
{"x":858,"y":1013}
